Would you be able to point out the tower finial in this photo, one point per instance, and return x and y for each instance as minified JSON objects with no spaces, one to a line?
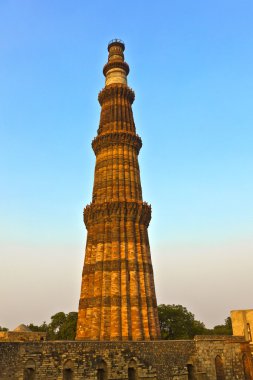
{"x":116,"y":41}
{"x":116,"y":69}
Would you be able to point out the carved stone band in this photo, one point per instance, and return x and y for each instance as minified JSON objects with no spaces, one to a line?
{"x":102,"y":141}
{"x":108,"y":301}
{"x":138,"y":212}
{"x":116,"y":64}
{"x":116,"y":90}
{"x":117,"y":265}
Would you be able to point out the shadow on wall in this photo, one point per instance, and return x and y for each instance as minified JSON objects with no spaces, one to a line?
{"x":29,"y":371}
{"x":246,"y":367}
{"x":68,"y":370}
{"x":101,"y":370}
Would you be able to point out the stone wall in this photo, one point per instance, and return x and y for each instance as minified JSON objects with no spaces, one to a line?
{"x":160,"y":360}
{"x":14,"y":336}
{"x":242,"y":323}
{"x":230,"y":351}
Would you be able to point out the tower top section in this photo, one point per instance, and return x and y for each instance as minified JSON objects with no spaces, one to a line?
{"x":116,"y":41}
{"x":116,"y":69}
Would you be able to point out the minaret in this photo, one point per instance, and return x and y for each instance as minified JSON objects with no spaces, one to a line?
{"x":118,"y":300}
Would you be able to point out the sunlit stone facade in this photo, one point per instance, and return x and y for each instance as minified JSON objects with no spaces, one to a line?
{"x":118,"y":300}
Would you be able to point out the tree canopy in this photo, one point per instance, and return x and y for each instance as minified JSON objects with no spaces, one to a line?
{"x":176,"y":322}
{"x":61,"y":327}
{"x":3,"y":328}
{"x":225,"y":329}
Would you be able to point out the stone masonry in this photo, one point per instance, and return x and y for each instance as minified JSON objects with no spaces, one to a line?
{"x":22,"y":334}
{"x":118,"y":300}
{"x":242,"y":323}
{"x":147,"y":360}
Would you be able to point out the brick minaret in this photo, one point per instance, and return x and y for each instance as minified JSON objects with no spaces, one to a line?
{"x":118,"y":300}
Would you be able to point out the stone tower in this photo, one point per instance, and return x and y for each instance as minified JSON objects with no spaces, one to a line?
{"x":118,"y":300}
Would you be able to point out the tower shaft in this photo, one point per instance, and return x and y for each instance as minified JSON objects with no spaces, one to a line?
{"x":118,"y":300}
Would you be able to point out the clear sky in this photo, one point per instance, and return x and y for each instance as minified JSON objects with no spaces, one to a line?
{"x":191,"y":68}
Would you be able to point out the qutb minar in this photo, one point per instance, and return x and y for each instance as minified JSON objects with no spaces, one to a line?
{"x":118,"y":300}
{"x":118,"y":335}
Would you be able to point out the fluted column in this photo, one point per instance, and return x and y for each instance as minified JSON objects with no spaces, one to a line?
{"x":118,"y":300}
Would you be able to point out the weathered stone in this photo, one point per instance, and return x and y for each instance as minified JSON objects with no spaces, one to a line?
{"x":21,"y":336}
{"x":118,"y":300}
{"x":160,"y":360}
{"x":242,"y":324}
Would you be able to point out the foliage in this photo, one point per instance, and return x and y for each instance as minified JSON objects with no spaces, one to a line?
{"x":61,"y":327}
{"x":225,"y":329}
{"x":176,"y":322}
{"x":41,"y":328}
{"x":3,"y":328}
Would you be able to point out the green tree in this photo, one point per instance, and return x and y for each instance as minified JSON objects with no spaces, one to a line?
{"x":176,"y":322}
{"x":63,"y":326}
{"x":3,"y":328}
{"x":225,"y":329}
{"x":41,"y":328}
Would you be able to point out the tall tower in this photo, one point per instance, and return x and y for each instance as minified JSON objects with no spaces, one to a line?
{"x":118,"y":300}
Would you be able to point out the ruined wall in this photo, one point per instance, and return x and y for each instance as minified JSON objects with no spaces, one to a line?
{"x":242,"y":324}
{"x":230,"y":352}
{"x":14,"y":336}
{"x":85,"y":358}
{"x":160,"y":360}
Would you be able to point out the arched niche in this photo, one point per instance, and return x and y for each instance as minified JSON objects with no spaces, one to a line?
{"x":191,"y":371}
{"x":219,"y":368}
{"x":68,"y":370}
{"x":101,"y":370}
{"x":246,"y":367}
{"x":132,"y":370}
{"x":29,"y":370}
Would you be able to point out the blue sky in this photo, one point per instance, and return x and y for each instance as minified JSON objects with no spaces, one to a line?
{"x":191,"y":69}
